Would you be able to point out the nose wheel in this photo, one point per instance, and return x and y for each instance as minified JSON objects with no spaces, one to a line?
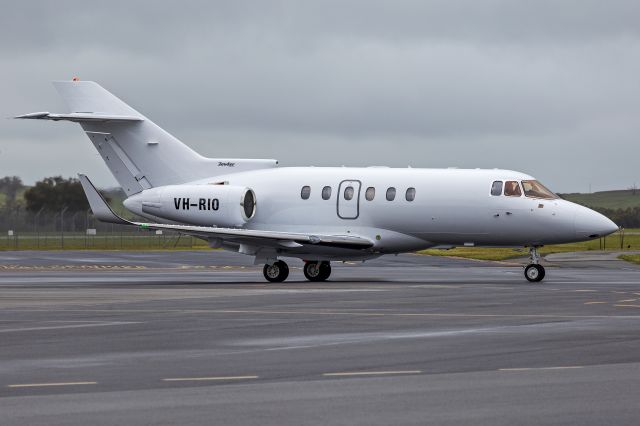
{"x":317,"y":271}
{"x":534,"y":272}
{"x":276,"y":272}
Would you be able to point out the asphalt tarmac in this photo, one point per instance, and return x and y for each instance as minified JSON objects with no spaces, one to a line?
{"x":200,"y":338}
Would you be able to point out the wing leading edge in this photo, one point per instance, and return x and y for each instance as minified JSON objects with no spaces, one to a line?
{"x":103,"y":212}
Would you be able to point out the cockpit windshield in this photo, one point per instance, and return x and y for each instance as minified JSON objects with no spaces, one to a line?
{"x":534,"y":189}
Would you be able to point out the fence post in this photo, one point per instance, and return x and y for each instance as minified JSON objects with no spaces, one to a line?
{"x":37,"y":227}
{"x":64,"y":209}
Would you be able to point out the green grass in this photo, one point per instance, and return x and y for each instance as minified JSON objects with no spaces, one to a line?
{"x":102,"y":241}
{"x":606,"y":199}
{"x":631,"y":242}
{"x":633,"y":258}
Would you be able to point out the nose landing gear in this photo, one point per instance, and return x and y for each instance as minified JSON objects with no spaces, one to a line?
{"x":317,"y":271}
{"x":534,"y":272}
{"x":276,"y":272}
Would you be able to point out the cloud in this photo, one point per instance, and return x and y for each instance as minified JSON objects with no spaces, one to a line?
{"x":526,"y":85}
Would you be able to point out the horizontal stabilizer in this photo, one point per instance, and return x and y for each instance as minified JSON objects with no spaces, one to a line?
{"x":78,"y":117}
{"x":103,"y":212}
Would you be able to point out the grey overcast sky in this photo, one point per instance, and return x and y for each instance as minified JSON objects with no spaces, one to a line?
{"x":548,"y":87}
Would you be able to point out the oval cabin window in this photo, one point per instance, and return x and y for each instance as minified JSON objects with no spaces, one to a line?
{"x":370,"y":193}
{"x":326,"y":192}
{"x":411,"y":194}
{"x":391,"y":194}
{"x":305,"y":192}
{"x":348,"y":193}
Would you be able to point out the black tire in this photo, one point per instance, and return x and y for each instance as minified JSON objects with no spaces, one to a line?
{"x":534,"y":273}
{"x":277,"y":272}
{"x":317,"y":271}
{"x":325,"y":270}
{"x":312,"y":271}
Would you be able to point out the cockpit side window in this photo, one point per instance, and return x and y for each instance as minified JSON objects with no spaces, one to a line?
{"x":534,"y":189}
{"x":496,"y":188}
{"x":512,"y":189}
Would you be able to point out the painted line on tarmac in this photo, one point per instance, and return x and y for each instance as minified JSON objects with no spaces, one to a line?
{"x":567,"y":367}
{"x":370,"y":373}
{"x":58,"y":327}
{"x":626,"y":306}
{"x":595,"y":303}
{"x":37,"y":385}
{"x":202,"y":379}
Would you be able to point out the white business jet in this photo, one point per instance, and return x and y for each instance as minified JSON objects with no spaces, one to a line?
{"x":318,"y":214}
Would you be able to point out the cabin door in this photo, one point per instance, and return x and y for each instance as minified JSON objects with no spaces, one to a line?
{"x":349,"y":199}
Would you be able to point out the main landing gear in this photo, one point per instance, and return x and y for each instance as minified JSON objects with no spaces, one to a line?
{"x":534,"y":272}
{"x":317,"y":271}
{"x":278,"y":271}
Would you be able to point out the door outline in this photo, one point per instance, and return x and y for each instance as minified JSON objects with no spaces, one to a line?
{"x":340,"y":195}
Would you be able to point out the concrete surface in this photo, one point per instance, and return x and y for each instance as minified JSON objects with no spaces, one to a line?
{"x":200,"y":338}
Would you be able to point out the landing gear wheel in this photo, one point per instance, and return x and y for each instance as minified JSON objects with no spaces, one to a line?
{"x":317,"y":271}
{"x":534,"y":273}
{"x":325,"y":270}
{"x":276,"y":272}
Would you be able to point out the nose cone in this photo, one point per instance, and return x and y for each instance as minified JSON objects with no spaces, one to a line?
{"x":591,"y":224}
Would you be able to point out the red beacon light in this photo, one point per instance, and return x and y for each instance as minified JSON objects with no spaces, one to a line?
{"x":75,"y":79}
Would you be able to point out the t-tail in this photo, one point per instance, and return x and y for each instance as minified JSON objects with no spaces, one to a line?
{"x":139,"y":154}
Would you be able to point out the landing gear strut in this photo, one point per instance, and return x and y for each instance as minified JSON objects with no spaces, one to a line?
{"x":276,"y":272}
{"x":534,"y":272}
{"x":317,"y":271}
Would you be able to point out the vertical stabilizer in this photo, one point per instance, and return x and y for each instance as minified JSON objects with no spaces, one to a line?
{"x":139,"y":154}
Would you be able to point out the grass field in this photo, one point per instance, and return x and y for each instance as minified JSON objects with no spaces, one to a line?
{"x":606,"y":199}
{"x":631,"y":241}
{"x":634,"y":258}
{"x":102,"y":241}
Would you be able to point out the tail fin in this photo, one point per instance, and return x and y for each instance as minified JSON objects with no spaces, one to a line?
{"x":139,"y":154}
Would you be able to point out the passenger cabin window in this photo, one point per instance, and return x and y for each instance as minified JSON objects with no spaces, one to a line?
{"x":411,"y":194}
{"x":370,"y":193}
{"x":348,"y":193}
{"x":326,"y":192}
{"x":534,"y":189}
{"x":306,"y":192}
{"x":496,"y":188}
{"x":391,"y":194}
{"x":512,"y":189}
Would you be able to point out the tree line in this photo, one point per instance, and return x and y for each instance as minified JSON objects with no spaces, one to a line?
{"x":52,"y":203}
{"x":627,"y":218}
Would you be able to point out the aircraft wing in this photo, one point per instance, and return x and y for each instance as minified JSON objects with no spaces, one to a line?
{"x":103,"y":212}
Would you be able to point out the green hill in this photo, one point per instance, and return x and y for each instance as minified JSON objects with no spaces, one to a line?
{"x":620,"y":199}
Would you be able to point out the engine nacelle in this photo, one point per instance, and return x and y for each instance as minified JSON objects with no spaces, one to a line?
{"x":204,"y":205}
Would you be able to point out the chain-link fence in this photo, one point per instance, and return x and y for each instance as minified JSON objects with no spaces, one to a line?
{"x":46,"y":230}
